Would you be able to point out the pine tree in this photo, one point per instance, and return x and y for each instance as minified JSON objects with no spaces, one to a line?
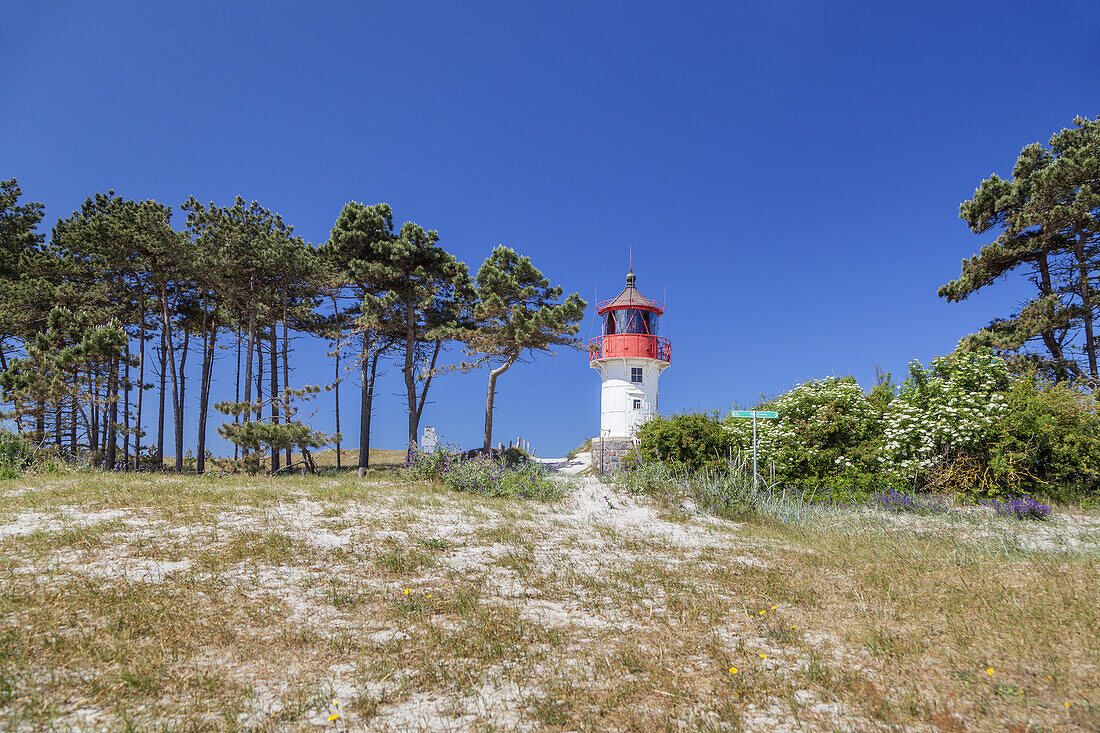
{"x":415,"y":294}
{"x":516,"y":313}
{"x":1048,"y":216}
{"x":21,"y":292}
{"x":119,"y":258}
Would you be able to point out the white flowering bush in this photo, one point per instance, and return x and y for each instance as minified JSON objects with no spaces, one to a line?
{"x":826,"y":427}
{"x":945,"y":415}
{"x":963,"y":426}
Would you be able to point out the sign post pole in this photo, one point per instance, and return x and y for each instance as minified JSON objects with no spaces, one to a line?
{"x":754,"y":474}
{"x":763,"y":416}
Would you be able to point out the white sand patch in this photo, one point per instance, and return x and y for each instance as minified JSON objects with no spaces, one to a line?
{"x":567,"y":466}
{"x":494,"y":705}
{"x":550,"y":613}
{"x":387,"y":635}
{"x":64,"y":517}
{"x":133,"y":569}
{"x":475,"y":557}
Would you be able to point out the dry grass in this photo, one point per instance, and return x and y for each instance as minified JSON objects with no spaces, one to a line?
{"x":350,"y":458}
{"x":252,"y":603}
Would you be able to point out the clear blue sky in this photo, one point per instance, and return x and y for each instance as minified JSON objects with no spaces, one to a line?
{"x":790,"y":171}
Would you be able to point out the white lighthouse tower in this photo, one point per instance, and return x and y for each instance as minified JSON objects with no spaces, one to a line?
{"x":630,"y":357}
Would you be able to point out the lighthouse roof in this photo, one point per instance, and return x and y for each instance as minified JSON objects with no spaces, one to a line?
{"x":630,"y":298}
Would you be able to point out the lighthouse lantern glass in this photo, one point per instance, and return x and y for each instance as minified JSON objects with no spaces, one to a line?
{"x":630,"y":320}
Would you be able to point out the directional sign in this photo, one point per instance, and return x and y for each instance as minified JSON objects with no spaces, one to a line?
{"x":754,"y":414}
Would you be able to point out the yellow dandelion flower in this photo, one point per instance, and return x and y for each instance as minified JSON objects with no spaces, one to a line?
{"x":1067,"y":704}
{"x":733,"y":670}
{"x":1050,"y":678}
{"x":762,"y":613}
{"x":429,"y":595}
{"x":334,"y":716}
{"x":336,"y":703}
{"x":792,"y":627}
{"x":763,"y":656}
{"x":774,"y":607}
{"x":408,"y":591}
{"x":989,"y":671}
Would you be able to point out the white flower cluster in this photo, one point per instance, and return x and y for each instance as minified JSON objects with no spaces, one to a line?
{"x":951,"y":407}
{"x":817,"y":420}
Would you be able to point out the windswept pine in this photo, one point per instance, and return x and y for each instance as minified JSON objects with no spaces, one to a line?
{"x":1048,"y":216}
{"x":118,"y":296}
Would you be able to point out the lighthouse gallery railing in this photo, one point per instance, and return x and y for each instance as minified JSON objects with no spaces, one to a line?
{"x":630,"y":344}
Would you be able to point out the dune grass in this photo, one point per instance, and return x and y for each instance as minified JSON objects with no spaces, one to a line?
{"x":163,"y":602}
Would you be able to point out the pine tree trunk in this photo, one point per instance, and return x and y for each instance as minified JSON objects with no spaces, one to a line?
{"x":58,"y":428}
{"x":126,"y":413}
{"x":1086,"y":307}
{"x":204,"y":393}
{"x":182,"y":399}
{"x":410,"y":378}
{"x":336,"y":388}
{"x":177,"y":402}
{"x":259,"y":375}
{"x":140,"y":394}
{"x":72,"y":425}
{"x":286,"y":372}
{"x":1050,"y":340}
{"x":104,"y":389}
{"x":336,"y":380}
{"x":40,"y":421}
{"x":248,"y":363}
{"x":274,"y":359}
{"x":428,"y":381}
{"x":163,"y":356}
{"x":237,"y":392}
{"x":365,"y":403}
{"x":93,"y":437}
{"x":370,"y":402}
{"x":491,"y":397}
{"x":112,"y":412}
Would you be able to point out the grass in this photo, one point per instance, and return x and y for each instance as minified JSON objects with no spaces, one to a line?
{"x":241,"y":602}
{"x":350,"y":458}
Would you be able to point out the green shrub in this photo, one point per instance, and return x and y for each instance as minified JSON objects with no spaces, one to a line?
{"x":827,"y":428}
{"x":486,"y":475}
{"x":514,"y":456}
{"x":966,"y":426}
{"x":852,"y":486}
{"x":683,"y":442}
{"x":1048,"y":442}
{"x":16,"y":455}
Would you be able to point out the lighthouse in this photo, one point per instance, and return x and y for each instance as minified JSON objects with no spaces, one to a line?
{"x":630,"y":357}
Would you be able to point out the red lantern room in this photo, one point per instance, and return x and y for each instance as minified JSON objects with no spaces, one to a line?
{"x":630,"y":327}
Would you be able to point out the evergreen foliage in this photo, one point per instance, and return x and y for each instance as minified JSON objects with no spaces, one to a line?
{"x":1048,"y":216}
{"x":118,"y":296}
{"x":516,"y":313}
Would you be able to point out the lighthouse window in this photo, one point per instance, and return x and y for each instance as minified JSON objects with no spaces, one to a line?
{"x":609,"y":324}
{"x":636,"y":374}
{"x":631,"y":320}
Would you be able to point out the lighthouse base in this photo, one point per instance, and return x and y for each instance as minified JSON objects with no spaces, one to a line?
{"x":608,"y":453}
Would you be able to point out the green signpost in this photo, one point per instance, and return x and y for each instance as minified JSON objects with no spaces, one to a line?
{"x":754,"y":414}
